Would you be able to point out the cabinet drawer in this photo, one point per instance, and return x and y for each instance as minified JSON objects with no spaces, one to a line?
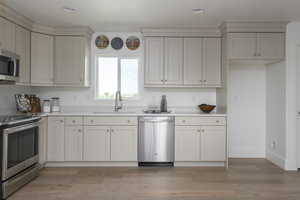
{"x":72,"y":121}
{"x":195,"y":121}
{"x":110,"y":120}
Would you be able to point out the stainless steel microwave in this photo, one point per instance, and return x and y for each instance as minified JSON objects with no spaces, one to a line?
{"x":9,"y":66}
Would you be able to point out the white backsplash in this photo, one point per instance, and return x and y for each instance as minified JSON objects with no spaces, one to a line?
{"x":82,"y":99}
{"x":7,"y":99}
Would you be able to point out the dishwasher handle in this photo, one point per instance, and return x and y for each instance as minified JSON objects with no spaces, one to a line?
{"x":157,"y":120}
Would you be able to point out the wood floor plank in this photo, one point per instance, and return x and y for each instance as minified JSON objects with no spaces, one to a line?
{"x":246,"y":179}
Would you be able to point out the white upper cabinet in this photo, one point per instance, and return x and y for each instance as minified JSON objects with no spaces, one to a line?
{"x":71,"y":61}
{"x":242,"y":45}
{"x":271,"y":45}
{"x":193,"y":61}
{"x":7,"y":35}
{"x":256,"y":46}
{"x":212,"y":61}
{"x":173,"y":68}
{"x":23,"y":50}
{"x":154,"y":62}
{"x":41,"y":59}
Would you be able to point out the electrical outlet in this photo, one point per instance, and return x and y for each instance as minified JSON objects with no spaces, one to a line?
{"x":273,"y":145}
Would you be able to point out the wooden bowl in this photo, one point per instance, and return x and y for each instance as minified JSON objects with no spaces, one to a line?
{"x":206,"y":108}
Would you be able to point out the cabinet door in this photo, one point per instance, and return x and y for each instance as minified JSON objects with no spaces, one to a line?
{"x":96,"y":146}
{"x":212,"y":61}
{"x":192,"y":61}
{"x":73,"y":143}
{"x":7,"y":35}
{"x":242,"y":45}
{"x":123,"y":143}
{"x":43,"y":129}
{"x":23,"y":50}
{"x":173,"y":61}
{"x":213,"y":143}
{"x":271,"y":45}
{"x":154,"y":65}
{"x":41,"y":59}
{"x":187,"y":143}
{"x":69,"y":60}
{"x":56,"y":139}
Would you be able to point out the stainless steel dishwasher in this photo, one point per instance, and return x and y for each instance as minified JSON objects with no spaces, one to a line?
{"x":156,"y":141}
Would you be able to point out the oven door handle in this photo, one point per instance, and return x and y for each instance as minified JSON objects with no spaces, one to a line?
{"x":20,"y":128}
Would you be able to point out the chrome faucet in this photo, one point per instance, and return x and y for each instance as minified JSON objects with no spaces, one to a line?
{"x":118,"y":101}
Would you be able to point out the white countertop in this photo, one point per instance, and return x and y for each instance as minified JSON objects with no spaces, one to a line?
{"x":178,"y":114}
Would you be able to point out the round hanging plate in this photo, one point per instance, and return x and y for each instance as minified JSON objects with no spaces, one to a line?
{"x":102,"y":42}
{"x":133,"y":42}
{"x":117,"y":43}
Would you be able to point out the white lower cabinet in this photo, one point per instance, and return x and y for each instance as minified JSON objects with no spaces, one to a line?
{"x":96,"y":143}
{"x":73,"y":143}
{"x":56,"y":139}
{"x":123,"y":143}
{"x":200,"y":143}
{"x":187,"y":143}
{"x":43,"y":140}
{"x":213,"y":143}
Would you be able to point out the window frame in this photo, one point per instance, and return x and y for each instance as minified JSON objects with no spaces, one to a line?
{"x":119,"y":57}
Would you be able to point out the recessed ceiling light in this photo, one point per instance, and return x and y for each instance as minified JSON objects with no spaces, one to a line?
{"x":69,"y":9}
{"x":198,"y":10}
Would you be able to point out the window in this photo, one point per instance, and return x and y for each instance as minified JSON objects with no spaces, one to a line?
{"x":116,"y":73}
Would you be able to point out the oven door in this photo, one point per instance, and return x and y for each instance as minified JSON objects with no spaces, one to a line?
{"x":20,"y":149}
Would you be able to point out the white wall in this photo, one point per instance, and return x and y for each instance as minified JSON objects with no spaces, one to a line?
{"x":275,"y":114}
{"x":7,"y":99}
{"x":76,"y":98}
{"x":247,"y":111}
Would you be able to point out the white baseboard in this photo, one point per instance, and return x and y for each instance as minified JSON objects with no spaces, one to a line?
{"x":247,"y":152}
{"x":200,"y":164}
{"x":91,"y":164}
{"x":275,"y":158}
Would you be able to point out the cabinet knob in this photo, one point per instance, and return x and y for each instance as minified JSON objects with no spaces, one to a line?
{"x":79,"y":130}
{"x":112,"y":130}
{"x":61,"y":121}
{"x":258,"y":54}
{"x":128,"y":121}
{"x":217,"y":121}
{"x":73,"y":121}
{"x":204,"y":81}
{"x":107,"y":130}
{"x":183,"y":121}
{"x":92,"y":121}
{"x":203,"y":130}
{"x":198,"y":130}
{"x":162,"y":80}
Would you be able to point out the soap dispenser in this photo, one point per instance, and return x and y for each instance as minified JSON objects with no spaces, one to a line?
{"x":163,"y":104}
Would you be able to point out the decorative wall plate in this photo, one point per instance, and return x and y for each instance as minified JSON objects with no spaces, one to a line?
{"x":102,"y":42}
{"x":117,"y":43}
{"x":133,"y":42}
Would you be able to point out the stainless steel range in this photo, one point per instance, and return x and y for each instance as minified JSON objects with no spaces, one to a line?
{"x":19,"y":151}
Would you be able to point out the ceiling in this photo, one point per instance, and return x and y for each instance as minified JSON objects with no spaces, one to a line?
{"x":133,"y":14}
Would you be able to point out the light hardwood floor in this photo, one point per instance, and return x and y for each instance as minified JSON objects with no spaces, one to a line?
{"x":246,"y":179}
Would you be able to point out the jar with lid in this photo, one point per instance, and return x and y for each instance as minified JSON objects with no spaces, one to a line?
{"x":46,"y":106}
{"x":55,"y":104}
